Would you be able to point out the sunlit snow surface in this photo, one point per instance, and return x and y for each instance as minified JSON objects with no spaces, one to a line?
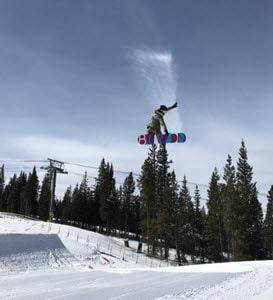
{"x":39,"y":260}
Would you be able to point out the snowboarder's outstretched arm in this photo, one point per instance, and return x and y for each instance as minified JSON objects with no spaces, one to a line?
{"x":171,"y":107}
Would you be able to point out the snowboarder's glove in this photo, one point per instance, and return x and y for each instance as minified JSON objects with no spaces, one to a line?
{"x":166,"y":131}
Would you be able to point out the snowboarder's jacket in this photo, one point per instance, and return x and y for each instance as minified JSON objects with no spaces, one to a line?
{"x":156,"y":122}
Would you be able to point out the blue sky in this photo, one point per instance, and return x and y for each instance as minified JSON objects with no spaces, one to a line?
{"x":80,"y":79}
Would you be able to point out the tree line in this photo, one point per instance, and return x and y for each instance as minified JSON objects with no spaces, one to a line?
{"x":163,"y":214}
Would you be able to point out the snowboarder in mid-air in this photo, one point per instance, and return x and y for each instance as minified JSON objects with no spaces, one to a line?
{"x":157,"y":120}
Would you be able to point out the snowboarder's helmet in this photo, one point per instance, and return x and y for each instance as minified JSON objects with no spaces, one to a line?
{"x":163,"y":108}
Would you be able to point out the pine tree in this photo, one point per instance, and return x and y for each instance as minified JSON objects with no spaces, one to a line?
{"x":57,"y":210}
{"x":250,"y":245}
{"x":74,"y":205}
{"x":20,"y":187}
{"x":29,"y":200}
{"x":44,"y":199}
{"x":268,"y":225}
{"x":177,"y":240}
{"x":154,"y":199}
{"x":97,"y":221}
{"x":198,"y":226}
{"x":91,"y":210}
{"x":6,"y":192}
{"x":214,"y":233}
{"x":67,"y":206}
{"x":230,"y":208}
{"x":14,"y":195}
{"x":147,"y":187}
{"x":135,"y":222}
{"x":162,"y":170}
{"x":9,"y":194}
{"x":80,"y":200}
{"x":163,"y":200}
{"x":185,"y":224}
{"x":114,"y":208}
{"x":256,"y":243}
{"x":166,"y":218}
{"x":127,"y":202}
{"x":2,"y":187}
{"x":106,"y":193}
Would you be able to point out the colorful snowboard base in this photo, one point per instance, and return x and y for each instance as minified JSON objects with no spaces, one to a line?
{"x":149,"y":139}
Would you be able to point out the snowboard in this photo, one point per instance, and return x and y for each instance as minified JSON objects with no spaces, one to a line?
{"x":149,"y":139}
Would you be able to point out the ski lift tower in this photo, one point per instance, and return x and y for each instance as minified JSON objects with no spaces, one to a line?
{"x":54,"y":167}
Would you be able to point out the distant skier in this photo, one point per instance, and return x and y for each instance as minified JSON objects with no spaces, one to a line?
{"x":157,"y":120}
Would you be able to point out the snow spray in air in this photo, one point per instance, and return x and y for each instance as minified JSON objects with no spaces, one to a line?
{"x":157,"y":78}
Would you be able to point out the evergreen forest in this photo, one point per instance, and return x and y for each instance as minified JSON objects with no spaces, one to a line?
{"x":154,"y":208}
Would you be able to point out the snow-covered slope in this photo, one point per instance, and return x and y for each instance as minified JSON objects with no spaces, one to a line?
{"x":21,"y":252}
{"x":39,"y":260}
{"x":81,"y":248}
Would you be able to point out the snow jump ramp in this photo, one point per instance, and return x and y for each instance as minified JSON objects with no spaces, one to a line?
{"x":20,"y":252}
